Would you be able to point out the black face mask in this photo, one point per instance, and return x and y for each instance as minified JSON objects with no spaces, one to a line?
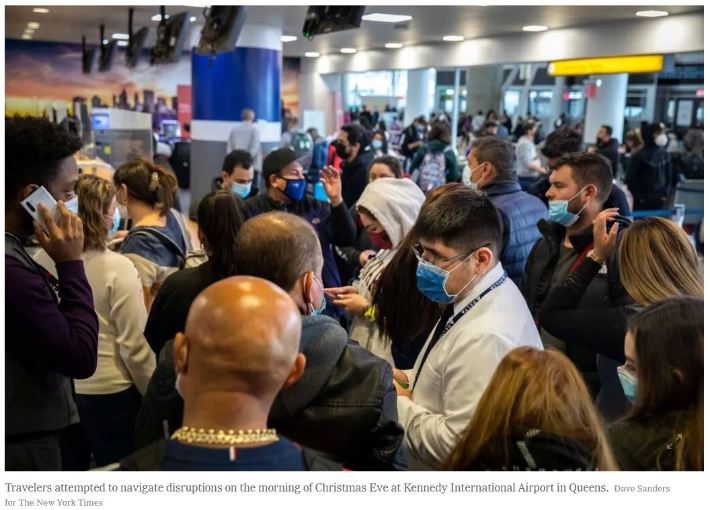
{"x":341,"y":151}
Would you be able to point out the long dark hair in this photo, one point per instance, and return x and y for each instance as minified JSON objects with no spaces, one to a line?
{"x":440,"y":131}
{"x":220,"y":215}
{"x":150,"y":183}
{"x":404,"y":313}
{"x":669,"y":367}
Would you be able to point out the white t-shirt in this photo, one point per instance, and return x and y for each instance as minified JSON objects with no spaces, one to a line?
{"x":459,"y":368}
{"x":525,"y":154}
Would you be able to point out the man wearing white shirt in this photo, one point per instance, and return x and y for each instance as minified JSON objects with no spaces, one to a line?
{"x":459,"y":244}
{"x":528,"y":164}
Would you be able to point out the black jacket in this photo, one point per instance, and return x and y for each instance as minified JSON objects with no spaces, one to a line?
{"x":355,"y":176}
{"x":605,"y":291}
{"x":349,"y":256}
{"x":168,"y":314}
{"x":610,"y":150}
{"x":344,"y":405}
{"x":650,"y":177}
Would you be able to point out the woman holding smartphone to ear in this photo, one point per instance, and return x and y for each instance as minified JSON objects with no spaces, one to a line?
{"x":108,"y":401}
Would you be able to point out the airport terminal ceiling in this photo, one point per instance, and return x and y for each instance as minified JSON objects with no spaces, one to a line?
{"x":427,"y":26}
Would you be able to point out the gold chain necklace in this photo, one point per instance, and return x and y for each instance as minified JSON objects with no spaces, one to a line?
{"x":230,"y":437}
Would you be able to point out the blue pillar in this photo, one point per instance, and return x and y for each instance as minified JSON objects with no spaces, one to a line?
{"x":248,"y":77}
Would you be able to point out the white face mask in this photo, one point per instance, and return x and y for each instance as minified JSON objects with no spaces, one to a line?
{"x":661,"y":140}
{"x":466,"y":177}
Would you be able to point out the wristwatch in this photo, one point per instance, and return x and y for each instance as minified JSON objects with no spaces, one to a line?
{"x":595,"y":257}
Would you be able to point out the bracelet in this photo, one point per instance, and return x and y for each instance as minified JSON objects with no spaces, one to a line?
{"x":370,"y":313}
{"x":595,"y":257}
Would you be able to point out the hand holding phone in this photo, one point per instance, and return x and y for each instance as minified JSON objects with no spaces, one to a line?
{"x":64,"y":241}
{"x":31,"y":205}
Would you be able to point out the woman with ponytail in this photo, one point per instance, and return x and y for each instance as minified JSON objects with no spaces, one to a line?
{"x":220,"y":215}
{"x":159,"y":239}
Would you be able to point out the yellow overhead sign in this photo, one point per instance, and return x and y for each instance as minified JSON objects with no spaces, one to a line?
{"x":607,"y":65}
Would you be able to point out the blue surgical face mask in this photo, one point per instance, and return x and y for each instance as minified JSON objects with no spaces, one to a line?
{"x":241,"y":190}
{"x":560,"y":214}
{"x":295,"y":188}
{"x":628,"y":383}
{"x":377,"y":144}
{"x":73,"y":204}
{"x":116,"y":218}
{"x":315,"y":312}
{"x":431,"y":280}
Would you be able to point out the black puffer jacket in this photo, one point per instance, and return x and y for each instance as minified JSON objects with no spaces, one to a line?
{"x":344,"y":405}
{"x":606,"y":291}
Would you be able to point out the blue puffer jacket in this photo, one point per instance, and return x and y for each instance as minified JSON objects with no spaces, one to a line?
{"x":520,"y":213}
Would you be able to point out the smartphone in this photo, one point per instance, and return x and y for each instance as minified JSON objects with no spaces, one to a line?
{"x":41,"y":196}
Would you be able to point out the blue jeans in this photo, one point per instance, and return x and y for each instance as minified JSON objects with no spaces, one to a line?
{"x":105,"y":430}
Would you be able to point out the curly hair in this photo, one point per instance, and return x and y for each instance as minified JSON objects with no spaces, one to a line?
{"x":95,"y":196}
{"x":35,"y":149}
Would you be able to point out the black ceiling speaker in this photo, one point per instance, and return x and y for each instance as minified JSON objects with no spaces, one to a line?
{"x":87,"y":57}
{"x":108,"y":52}
{"x":324,"y":20}
{"x":171,"y":36}
{"x":136,"y":42}
{"x":223,"y":24}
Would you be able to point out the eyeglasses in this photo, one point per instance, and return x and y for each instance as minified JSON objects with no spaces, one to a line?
{"x":418,"y":250}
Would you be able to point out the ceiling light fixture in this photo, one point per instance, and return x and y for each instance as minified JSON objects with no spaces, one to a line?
{"x":312,"y":54}
{"x":29,"y":30}
{"x":121,"y":36}
{"x":386,"y":18}
{"x":40,"y":10}
{"x":393,"y":45}
{"x":651,"y":14}
{"x":348,"y":50}
{"x":32,"y":24}
{"x":105,"y":41}
{"x":535,"y":28}
{"x":193,"y":19}
{"x":453,"y":38}
{"x":122,"y":43}
{"x":288,"y":38}
{"x":25,"y":36}
{"x":157,"y":17}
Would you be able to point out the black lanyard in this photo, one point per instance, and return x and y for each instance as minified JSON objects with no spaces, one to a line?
{"x":453,"y":321}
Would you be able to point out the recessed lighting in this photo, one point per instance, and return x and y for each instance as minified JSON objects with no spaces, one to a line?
{"x":386,"y":18}
{"x":158,"y":18}
{"x":40,"y":10}
{"x":534,"y":28}
{"x":453,"y":38}
{"x":122,"y":43}
{"x":121,"y":36}
{"x":193,"y":19}
{"x":348,"y":50}
{"x":105,"y":41}
{"x":312,"y":54}
{"x":393,"y":45}
{"x":29,"y":30}
{"x":288,"y":38}
{"x":25,"y":36}
{"x":32,"y":24}
{"x":651,"y":14}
